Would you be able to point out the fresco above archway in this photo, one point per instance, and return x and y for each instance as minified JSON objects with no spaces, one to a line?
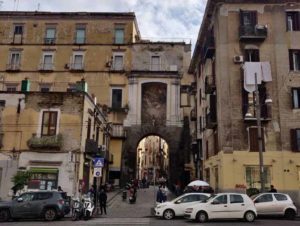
{"x":154,"y":102}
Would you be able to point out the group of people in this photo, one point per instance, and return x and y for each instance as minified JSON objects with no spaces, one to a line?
{"x":102,"y":198}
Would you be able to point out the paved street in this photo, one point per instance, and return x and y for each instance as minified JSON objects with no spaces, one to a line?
{"x":123,"y":213}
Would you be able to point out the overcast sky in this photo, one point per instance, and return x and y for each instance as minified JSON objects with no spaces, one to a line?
{"x":175,"y":20}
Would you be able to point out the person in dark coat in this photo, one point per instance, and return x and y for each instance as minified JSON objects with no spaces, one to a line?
{"x":273,"y":189}
{"x":102,"y":201}
{"x":159,"y":195}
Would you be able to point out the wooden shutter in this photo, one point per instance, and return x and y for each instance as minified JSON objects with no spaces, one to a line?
{"x":213,"y":108}
{"x":253,"y":139}
{"x":291,"y":60}
{"x":294,"y":145}
{"x":296,"y":21}
{"x":253,"y":16}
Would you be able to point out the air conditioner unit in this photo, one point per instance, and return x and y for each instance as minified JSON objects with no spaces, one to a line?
{"x":238,"y":59}
{"x":102,"y":148}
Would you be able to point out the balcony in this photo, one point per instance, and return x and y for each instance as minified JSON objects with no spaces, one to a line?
{"x":115,"y":109}
{"x":193,"y":115}
{"x":91,"y":147}
{"x":45,"y":67}
{"x":253,"y":33}
{"x":251,"y":116}
{"x":77,"y":67}
{"x":208,"y":50}
{"x":13,"y":67}
{"x":46,"y":142}
{"x":211,"y":121}
{"x":118,"y":131}
{"x":49,"y":41}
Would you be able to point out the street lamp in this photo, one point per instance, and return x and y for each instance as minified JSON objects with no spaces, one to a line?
{"x":259,"y":135}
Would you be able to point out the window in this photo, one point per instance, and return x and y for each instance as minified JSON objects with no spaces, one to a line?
{"x":119,"y":35}
{"x":49,"y":123}
{"x":295,"y":140}
{"x":77,"y":63}
{"x":118,"y":62}
{"x":47,"y":62}
{"x":116,"y":102}
{"x":236,"y":199}
{"x":72,"y":87}
{"x":296,"y":97}
{"x":11,"y":87}
{"x":45,"y":87}
{"x":248,"y":18}
{"x":252,"y":55}
{"x":294,"y":57}
{"x":27,"y":197}
{"x":222,"y":199}
{"x":14,"y":61}
{"x":80,"y":35}
{"x":253,"y":176}
{"x":253,"y":139}
{"x":189,"y":198}
{"x":264,"y":198}
{"x":50,"y":35}
{"x":155,"y":63}
{"x":280,"y":197}
{"x":18,"y":29}
{"x":43,"y":196}
{"x":43,"y":180}
{"x":293,"y":21}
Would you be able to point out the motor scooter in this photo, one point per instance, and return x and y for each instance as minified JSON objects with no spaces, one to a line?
{"x":88,"y":206}
{"x":132,"y":195}
{"x":77,"y":209}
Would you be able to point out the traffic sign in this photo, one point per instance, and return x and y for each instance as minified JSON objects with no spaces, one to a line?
{"x":97,"y":172}
{"x":98,"y":162}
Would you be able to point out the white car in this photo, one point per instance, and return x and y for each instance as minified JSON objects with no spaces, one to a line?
{"x":223,"y":206}
{"x":176,"y":207}
{"x":274,"y":204}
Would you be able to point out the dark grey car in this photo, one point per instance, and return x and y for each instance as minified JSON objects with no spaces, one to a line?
{"x":49,"y":205}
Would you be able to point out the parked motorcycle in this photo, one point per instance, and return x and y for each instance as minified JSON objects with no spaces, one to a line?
{"x":88,"y":206}
{"x":77,"y":209}
{"x":83,"y":209}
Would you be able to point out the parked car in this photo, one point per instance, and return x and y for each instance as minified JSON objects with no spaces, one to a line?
{"x":223,"y":206}
{"x":176,"y":207}
{"x":274,"y":204}
{"x":49,"y":205}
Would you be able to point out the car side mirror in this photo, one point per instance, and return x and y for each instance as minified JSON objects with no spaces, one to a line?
{"x":215,"y":202}
{"x":178,"y":202}
{"x":20,"y":199}
{"x":256,"y":201}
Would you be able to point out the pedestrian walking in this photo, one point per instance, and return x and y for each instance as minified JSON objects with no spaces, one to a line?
{"x":273,"y":189}
{"x":159,"y":195}
{"x":102,"y":201}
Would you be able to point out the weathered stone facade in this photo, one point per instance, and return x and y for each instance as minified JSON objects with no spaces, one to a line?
{"x":217,"y":64}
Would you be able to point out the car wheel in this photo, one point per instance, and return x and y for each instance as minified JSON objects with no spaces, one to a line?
{"x":4,"y":215}
{"x":168,"y":214}
{"x":202,"y":217}
{"x":249,"y":216}
{"x":50,"y":214}
{"x":290,"y":214}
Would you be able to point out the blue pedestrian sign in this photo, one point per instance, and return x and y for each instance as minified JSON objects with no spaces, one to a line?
{"x":98,"y":162}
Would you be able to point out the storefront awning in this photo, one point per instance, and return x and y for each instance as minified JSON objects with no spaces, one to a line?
{"x":43,"y":170}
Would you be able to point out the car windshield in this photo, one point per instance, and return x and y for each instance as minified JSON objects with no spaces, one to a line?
{"x":254,"y":196}
{"x":209,"y":198}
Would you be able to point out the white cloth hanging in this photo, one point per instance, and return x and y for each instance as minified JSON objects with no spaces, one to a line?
{"x":266,"y":71}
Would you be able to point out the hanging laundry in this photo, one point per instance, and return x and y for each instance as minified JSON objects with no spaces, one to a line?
{"x":266,"y":71}
{"x":250,"y":70}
